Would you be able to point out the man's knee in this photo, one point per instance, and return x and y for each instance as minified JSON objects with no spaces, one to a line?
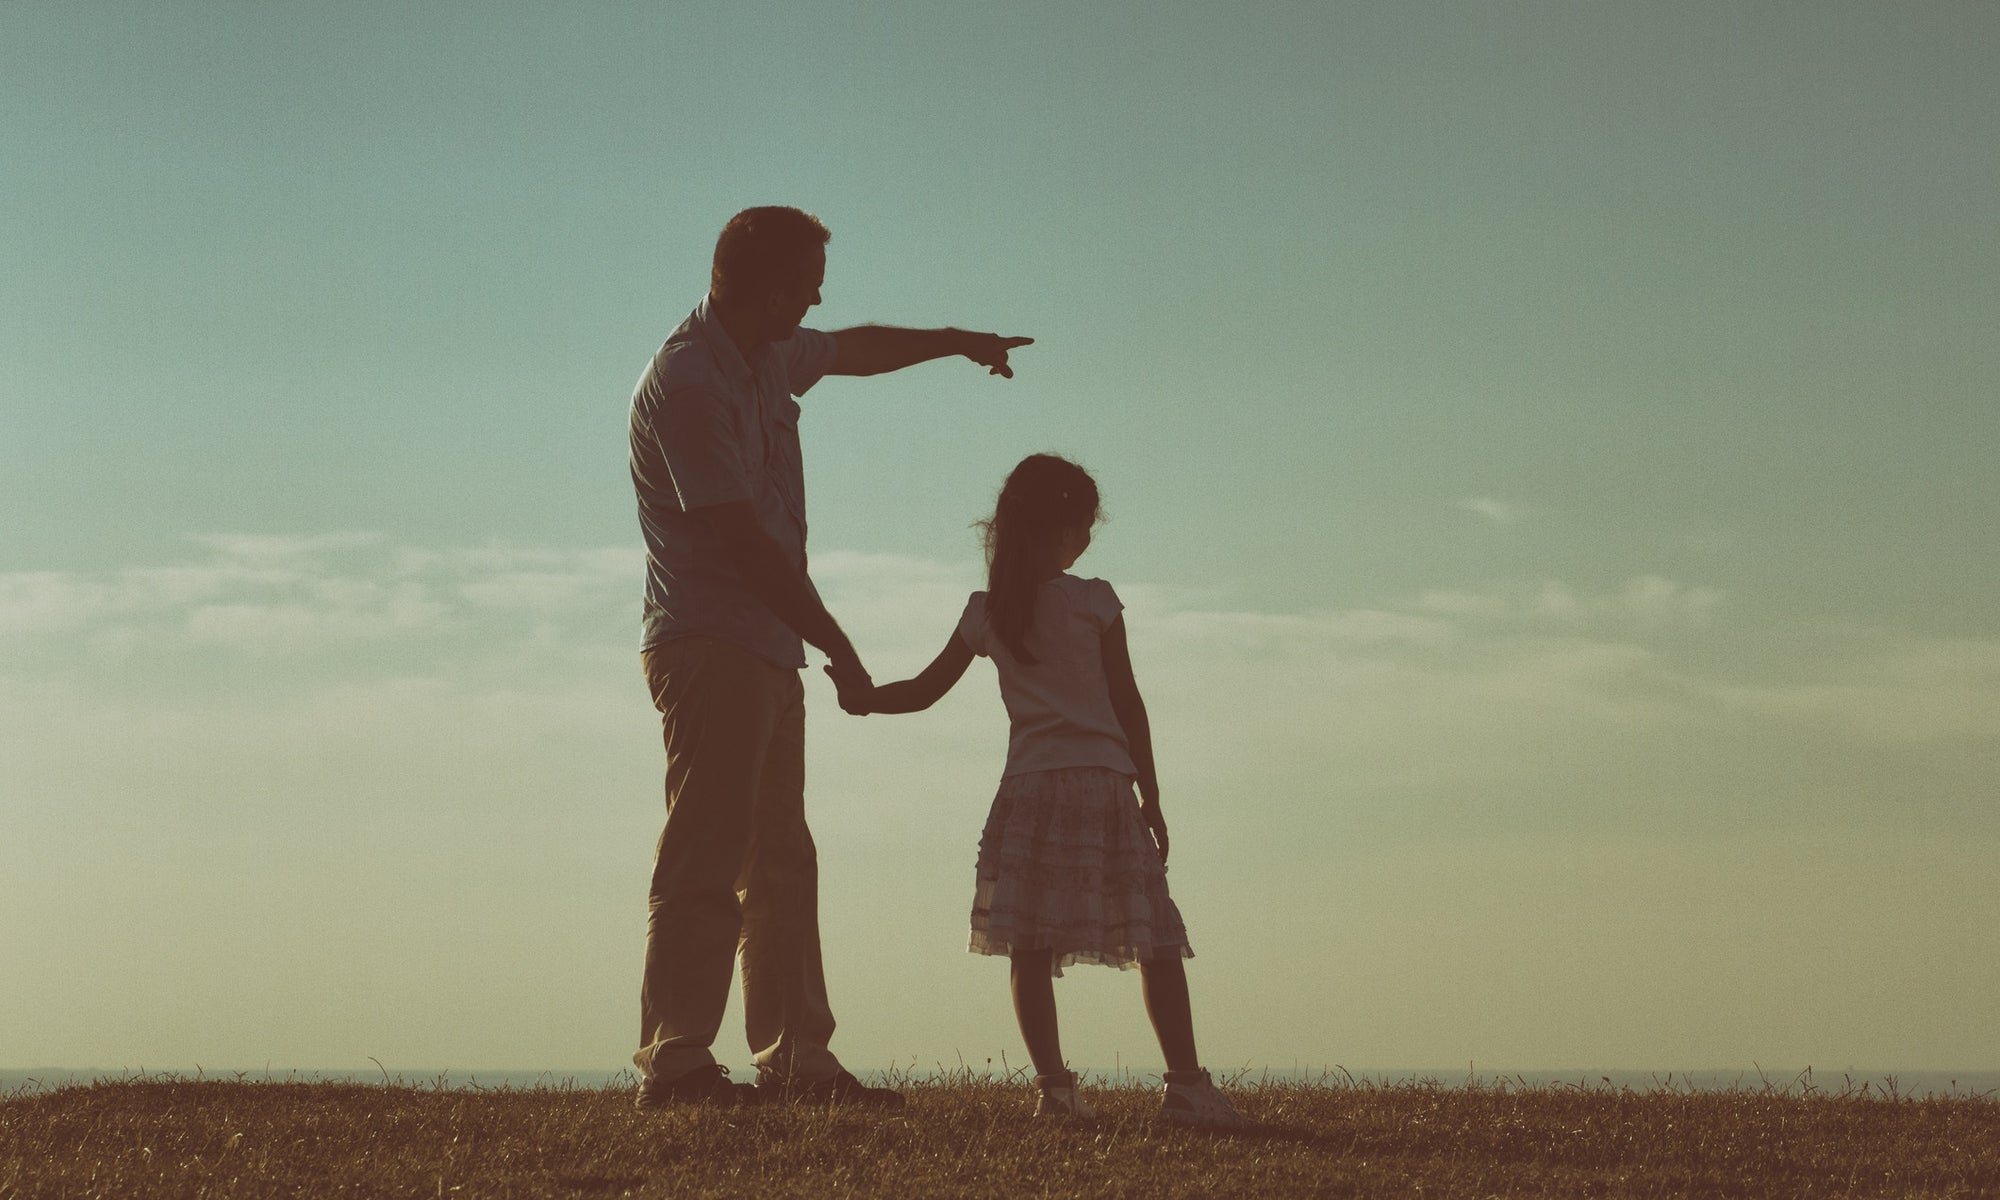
{"x":672,"y":905}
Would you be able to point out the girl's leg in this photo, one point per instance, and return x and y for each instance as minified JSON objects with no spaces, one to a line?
{"x":1035,"y":1008}
{"x":1163,"y":982}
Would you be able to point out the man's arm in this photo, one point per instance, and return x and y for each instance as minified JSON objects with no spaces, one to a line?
{"x":781,"y":587}
{"x":875,"y":349}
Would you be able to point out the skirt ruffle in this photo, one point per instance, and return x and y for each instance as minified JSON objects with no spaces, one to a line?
{"x":1066,"y":865}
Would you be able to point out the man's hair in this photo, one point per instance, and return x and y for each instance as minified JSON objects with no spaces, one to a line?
{"x":762,"y":249}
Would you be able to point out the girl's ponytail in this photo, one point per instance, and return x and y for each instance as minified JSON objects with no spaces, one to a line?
{"x":1044,"y":495}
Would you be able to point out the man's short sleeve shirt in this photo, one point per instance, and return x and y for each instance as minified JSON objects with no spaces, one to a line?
{"x":708,"y":428}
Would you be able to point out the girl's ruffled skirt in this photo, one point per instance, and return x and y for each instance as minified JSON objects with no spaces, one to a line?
{"x":1066,"y":865}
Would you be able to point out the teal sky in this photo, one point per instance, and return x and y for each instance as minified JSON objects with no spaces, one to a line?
{"x":1548,"y":450}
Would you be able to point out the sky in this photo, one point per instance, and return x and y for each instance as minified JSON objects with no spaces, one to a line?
{"x":1547,"y":451}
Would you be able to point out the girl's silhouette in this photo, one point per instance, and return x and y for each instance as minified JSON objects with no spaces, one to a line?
{"x":1070,"y":868}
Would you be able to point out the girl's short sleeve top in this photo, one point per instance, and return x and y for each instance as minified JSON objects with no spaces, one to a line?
{"x":1059,"y":706}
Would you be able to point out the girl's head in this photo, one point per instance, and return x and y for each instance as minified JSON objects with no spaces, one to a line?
{"x":1040,"y":526}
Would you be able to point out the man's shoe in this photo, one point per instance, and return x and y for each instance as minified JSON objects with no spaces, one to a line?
{"x":839,"y":1088}
{"x":703,"y":1085}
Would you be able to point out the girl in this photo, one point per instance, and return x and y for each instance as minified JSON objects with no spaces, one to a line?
{"x":1070,"y":869}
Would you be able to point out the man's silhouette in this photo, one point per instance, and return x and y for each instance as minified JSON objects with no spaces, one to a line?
{"x":715,"y":459}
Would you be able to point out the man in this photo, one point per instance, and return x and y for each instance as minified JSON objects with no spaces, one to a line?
{"x":715,"y":459}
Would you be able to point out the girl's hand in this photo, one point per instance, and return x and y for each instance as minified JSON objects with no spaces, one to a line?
{"x":1151,"y":816}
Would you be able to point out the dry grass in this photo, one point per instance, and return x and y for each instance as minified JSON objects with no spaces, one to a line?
{"x":964,"y":1135}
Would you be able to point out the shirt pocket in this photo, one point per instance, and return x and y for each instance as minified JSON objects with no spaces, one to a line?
{"x":780,"y":443}
{"x":785,"y":415}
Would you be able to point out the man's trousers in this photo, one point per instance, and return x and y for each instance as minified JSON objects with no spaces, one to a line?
{"x":735,"y":873}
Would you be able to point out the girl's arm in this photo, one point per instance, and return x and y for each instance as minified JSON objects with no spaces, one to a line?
{"x":916,"y":695}
{"x":1130,"y":709}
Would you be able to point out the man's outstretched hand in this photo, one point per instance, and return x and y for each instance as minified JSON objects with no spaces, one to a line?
{"x":989,"y":350}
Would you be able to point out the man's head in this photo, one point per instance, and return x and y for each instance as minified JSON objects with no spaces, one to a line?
{"x":769,"y":264}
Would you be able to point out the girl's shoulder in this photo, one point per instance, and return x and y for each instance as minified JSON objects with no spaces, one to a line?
{"x":1079,"y":583}
{"x":1095,"y":596}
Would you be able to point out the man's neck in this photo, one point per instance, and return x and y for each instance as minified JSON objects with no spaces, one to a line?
{"x":743,"y":328}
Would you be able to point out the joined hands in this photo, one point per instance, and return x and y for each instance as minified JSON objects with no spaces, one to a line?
{"x":851,"y":685}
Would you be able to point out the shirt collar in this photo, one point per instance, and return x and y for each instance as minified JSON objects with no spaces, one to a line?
{"x":721,"y":346}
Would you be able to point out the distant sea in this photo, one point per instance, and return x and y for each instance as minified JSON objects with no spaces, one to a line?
{"x":1793,"y":1081}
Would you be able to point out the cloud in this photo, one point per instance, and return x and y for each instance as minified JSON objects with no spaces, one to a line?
{"x":279,"y":549}
{"x":1894,"y":691}
{"x":1648,"y":601}
{"x":1499,"y":512}
{"x":43,"y":602}
{"x":1650,"y":699}
{"x":292,"y":596}
{"x":332,"y":612}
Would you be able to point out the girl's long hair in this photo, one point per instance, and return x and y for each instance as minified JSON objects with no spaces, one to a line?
{"x":1045,"y":494}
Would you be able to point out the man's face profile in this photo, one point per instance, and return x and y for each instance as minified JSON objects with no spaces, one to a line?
{"x":789,"y":303}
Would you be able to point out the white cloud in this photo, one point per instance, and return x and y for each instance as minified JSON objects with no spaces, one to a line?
{"x":1522,"y":690}
{"x":1906,"y":692}
{"x":539,"y":591}
{"x":1499,"y":512}
{"x":297,"y":595}
{"x":1464,"y":604}
{"x":1658,"y":601}
{"x":37,"y":602}
{"x":1648,"y":601}
{"x":336,"y":612}
{"x":283,"y":548}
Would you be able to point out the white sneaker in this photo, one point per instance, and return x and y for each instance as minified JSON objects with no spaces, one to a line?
{"x":1057,"y":1098}
{"x":1192,"y":1099}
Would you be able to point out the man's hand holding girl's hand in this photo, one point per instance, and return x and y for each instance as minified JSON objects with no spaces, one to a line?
{"x":851,"y":686}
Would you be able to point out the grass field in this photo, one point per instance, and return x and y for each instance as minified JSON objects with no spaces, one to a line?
{"x":966,"y":1135}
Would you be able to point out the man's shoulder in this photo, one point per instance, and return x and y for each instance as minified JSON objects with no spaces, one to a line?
{"x":683,"y":361}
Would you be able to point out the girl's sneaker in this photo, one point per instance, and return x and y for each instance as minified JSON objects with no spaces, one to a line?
{"x":1057,"y":1098}
{"x":1192,"y":1099}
